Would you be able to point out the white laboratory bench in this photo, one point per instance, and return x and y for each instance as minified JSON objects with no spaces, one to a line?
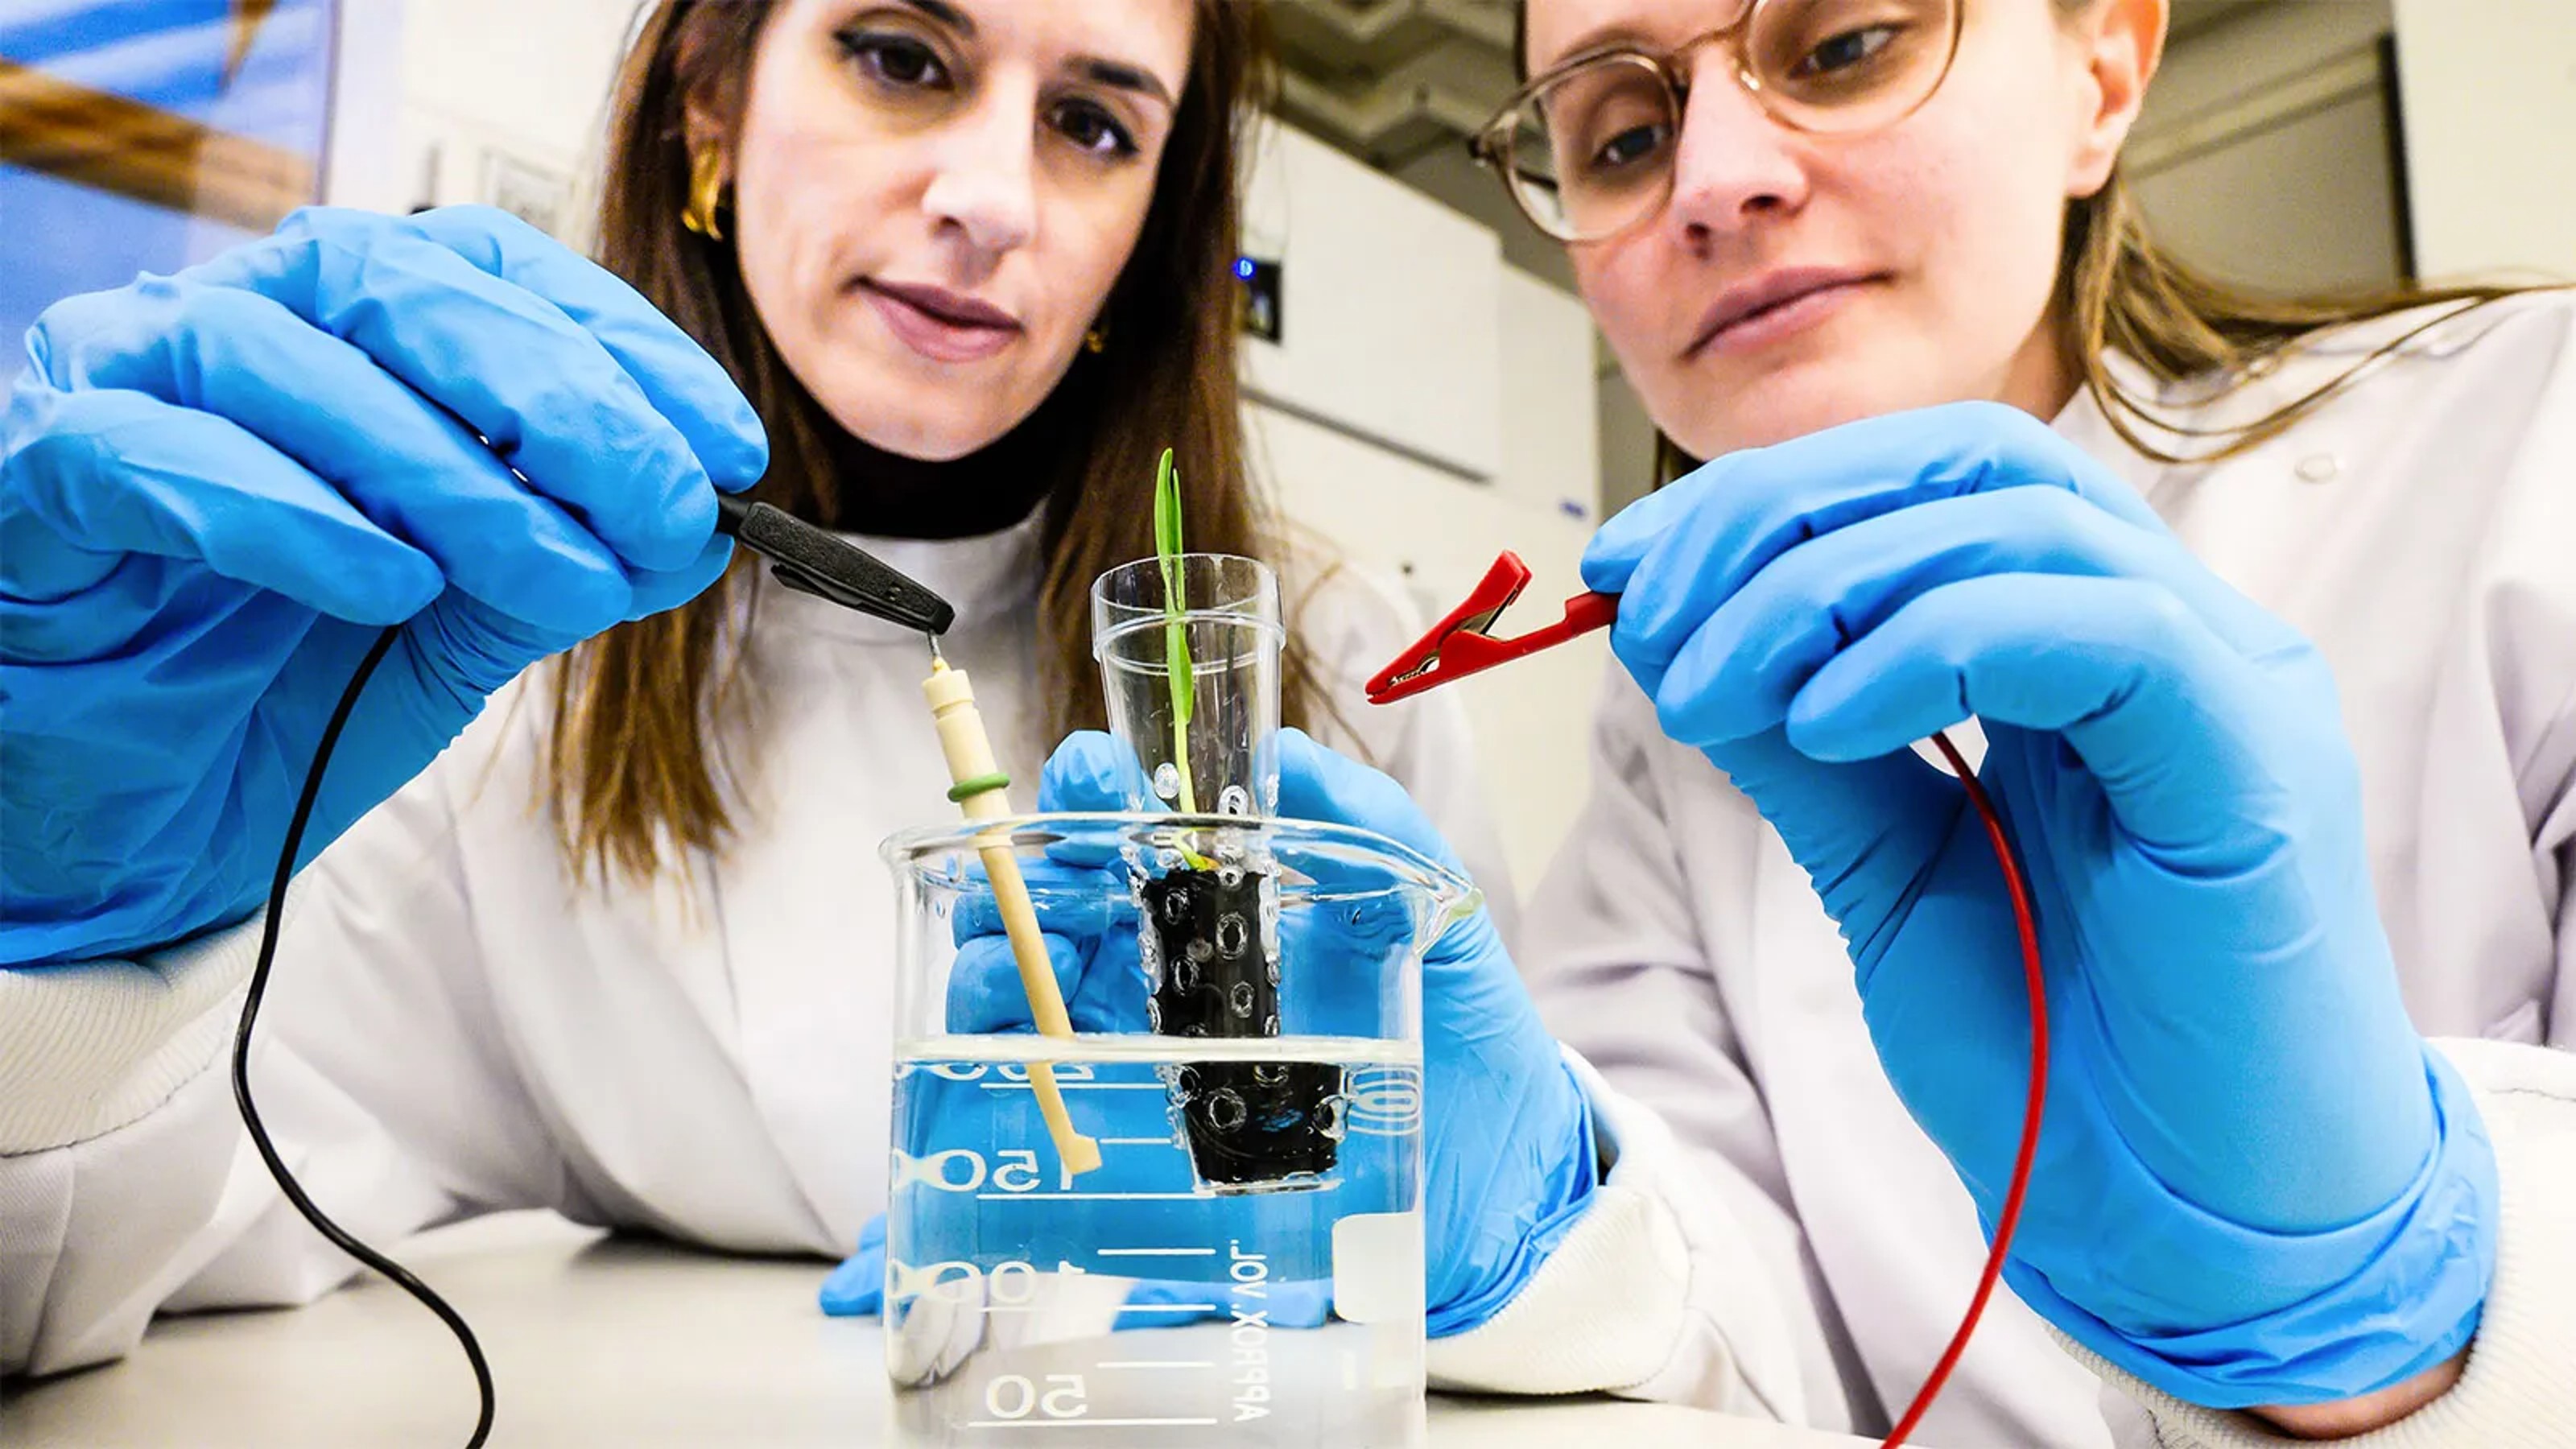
{"x":607,"y":1341}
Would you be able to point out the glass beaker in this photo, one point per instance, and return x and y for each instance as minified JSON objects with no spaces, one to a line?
{"x":1141,"y":1303}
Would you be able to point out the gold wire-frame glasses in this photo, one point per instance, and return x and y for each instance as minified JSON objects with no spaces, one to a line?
{"x":1586,"y":148}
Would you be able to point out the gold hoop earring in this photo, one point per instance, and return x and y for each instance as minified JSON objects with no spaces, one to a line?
{"x":706,"y":193}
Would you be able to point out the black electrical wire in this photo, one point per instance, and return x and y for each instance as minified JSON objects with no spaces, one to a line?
{"x":286,"y":1183}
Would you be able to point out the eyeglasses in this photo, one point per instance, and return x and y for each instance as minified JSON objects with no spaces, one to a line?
{"x":1586,"y":149}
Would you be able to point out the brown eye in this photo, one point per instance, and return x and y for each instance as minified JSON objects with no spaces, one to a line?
{"x":1608,"y":120}
{"x":1637,"y":143}
{"x":1835,"y":54}
{"x":899,"y":61}
{"x":1093,"y":130}
{"x":1854,"y":47}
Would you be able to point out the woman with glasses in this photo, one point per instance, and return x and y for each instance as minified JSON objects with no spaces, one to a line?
{"x":2267,"y":615}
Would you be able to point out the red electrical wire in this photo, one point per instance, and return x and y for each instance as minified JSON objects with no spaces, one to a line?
{"x":2010,"y":1217}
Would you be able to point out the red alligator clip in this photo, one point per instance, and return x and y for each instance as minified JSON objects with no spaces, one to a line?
{"x":1461,"y":645}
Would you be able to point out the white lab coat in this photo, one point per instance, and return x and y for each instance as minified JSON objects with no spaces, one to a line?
{"x":454,"y":1027}
{"x":2422,"y":530}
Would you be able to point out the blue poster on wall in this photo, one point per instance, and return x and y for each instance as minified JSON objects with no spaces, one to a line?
{"x":143,"y":135}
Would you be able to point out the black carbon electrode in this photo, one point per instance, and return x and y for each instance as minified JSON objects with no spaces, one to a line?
{"x":1247,"y":1123}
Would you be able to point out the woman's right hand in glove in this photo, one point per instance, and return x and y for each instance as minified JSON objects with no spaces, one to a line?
{"x":217,"y":488}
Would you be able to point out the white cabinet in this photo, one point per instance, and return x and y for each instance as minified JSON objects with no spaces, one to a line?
{"x":1391,"y":308}
{"x":2490,"y":104}
{"x":1426,"y":408}
{"x":1551,"y":415}
{"x":1436,"y":536}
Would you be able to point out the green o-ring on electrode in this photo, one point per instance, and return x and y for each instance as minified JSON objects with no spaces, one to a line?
{"x":968,"y":789}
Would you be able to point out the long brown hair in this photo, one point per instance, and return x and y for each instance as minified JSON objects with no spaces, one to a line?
{"x":2120,"y":292}
{"x":637,"y":769}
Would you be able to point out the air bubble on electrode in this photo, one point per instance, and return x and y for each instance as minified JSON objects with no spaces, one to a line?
{"x":1225,"y":1110}
{"x":1331,"y":1123}
{"x":1239,"y":1000}
{"x":1233,"y":800}
{"x":1167,"y":780}
{"x":1232,"y":935}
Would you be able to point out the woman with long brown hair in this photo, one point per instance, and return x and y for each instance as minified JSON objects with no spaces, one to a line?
{"x":2268,"y":613}
{"x":947,"y":276}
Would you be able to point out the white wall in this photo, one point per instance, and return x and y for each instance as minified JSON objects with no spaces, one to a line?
{"x":363,"y":159}
{"x":2265,"y":155}
{"x":2262,"y":149}
{"x":2489,"y":92}
{"x":1625,"y":437}
{"x":519,"y":85}
{"x":1551,"y":431}
{"x":2256,"y":49}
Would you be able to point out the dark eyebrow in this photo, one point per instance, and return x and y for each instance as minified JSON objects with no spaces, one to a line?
{"x":1117,"y":75}
{"x":946,"y":14}
{"x":1120,"y":76}
{"x":1601,"y":38}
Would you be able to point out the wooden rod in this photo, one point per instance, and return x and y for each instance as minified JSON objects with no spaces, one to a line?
{"x":982,"y":794}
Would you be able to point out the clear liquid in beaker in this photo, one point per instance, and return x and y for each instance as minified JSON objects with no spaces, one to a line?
{"x":1137,"y":1304}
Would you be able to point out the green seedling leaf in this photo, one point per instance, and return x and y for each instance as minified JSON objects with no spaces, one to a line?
{"x":1168,"y":548}
{"x":1168,"y":545}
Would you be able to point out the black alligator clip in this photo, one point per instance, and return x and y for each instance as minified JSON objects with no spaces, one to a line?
{"x":810,"y":561}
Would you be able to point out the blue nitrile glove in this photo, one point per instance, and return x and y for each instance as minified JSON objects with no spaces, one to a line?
{"x":856,"y":1289}
{"x":218,"y":487}
{"x":1507,"y":1139}
{"x":2256,"y":1184}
